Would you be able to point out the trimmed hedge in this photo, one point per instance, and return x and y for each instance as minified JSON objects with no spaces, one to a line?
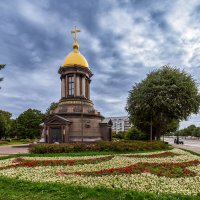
{"x":118,"y":146}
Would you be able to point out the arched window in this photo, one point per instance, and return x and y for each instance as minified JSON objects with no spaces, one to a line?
{"x":71,"y":85}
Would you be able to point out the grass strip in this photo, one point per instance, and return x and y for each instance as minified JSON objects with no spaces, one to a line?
{"x":11,"y":189}
{"x":190,"y":151}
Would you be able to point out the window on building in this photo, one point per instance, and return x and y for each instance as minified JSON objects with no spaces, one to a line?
{"x":70,"y":85}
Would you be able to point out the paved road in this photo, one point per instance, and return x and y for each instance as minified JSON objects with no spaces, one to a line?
{"x":13,"y":149}
{"x":193,"y":145}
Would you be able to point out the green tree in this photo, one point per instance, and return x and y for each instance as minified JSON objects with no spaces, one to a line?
{"x":52,"y":107}
{"x":197,"y":132}
{"x":135,"y":134}
{"x":170,"y":127}
{"x":191,"y":130}
{"x":166,"y":95}
{"x":1,"y":67}
{"x":5,"y":123}
{"x":118,"y":135}
{"x":28,"y":123}
{"x":12,"y":133}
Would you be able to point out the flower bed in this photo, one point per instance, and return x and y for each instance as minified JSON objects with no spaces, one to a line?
{"x":158,"y":155}
{"x":174,"y":171}
{"x":160,"y":169}
{"x":20,"y":162}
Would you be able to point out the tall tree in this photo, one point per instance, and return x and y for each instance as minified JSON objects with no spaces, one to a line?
{"x":12,"y":132}
{"x":1,"y":67}
{"x":28,"y":123}
{"x":167,"y":94}
{"x":5,"y":123}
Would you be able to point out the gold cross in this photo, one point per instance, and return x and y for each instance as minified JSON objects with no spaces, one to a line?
{"x":74,"y":31}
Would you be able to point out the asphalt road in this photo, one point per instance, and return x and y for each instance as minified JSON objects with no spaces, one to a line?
{"x":188,"y":142}
{"x":193,"y":145}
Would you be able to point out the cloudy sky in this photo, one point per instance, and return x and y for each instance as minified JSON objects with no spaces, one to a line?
{"x":121,"y":40}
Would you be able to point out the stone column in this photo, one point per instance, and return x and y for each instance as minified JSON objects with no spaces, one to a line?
{"x":78,"y":86}
{"x":83,"y":86}
{"x":67,"y":133}
{"x":66,"y":86}
{"x":48,"y":135}
{"x":63,"y":134}
{"x":89,"y":89}
{"x":86,"y":88}
{"x":75,"y":86}
{"x":43,"y":136}
{"x":62,"y":87}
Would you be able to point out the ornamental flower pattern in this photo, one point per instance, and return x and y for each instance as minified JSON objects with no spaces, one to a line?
{"x":174,"y":171}
{"x":160,"y":169}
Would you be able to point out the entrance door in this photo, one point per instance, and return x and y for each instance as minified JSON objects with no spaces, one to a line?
{"x":56,"y":135}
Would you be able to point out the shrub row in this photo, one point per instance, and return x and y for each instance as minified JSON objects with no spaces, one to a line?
{"x":118,"y":146}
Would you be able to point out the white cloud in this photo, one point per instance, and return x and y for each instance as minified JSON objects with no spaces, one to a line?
{"x":186,"y":26}
{"x":130,"y":41}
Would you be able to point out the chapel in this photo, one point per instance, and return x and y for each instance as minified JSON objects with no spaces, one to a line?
{"x":75,"y":119}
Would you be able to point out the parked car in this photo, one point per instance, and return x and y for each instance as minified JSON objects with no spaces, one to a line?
{"x":177,"y":141}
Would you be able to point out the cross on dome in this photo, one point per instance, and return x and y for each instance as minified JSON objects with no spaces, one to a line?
{"x":75,"y":57}
{"x":75,"y":31}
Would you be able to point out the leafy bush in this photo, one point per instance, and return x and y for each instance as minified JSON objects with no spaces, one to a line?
{"x":135,"y":134}
{"x":119,"y":135}
{"x":118,"y":146}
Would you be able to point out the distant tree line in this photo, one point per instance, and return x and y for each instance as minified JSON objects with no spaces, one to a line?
{"x":25,"y":126}
{"x":135,"y":134}
{"x":191,"y":130}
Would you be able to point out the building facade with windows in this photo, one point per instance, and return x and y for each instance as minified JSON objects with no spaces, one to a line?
{"x":75,"y":119}
{"x":120,"y":123}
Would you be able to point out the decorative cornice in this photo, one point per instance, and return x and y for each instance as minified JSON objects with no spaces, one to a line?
{"x":74,"y":69}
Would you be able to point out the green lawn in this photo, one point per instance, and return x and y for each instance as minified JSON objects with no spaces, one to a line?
{"x":11,"y":189}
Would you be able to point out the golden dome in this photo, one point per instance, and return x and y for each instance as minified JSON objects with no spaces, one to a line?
{"x":75,"y":57}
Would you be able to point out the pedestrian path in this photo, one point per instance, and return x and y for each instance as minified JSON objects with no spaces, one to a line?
{"x":13,"y":149}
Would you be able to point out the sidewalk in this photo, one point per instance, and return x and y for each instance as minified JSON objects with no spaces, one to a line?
{"x":13,"y":149}
{"x":191,"y":148}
